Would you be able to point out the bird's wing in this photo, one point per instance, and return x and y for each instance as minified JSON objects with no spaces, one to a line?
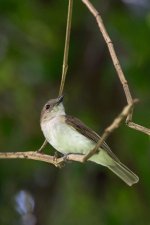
{"x":89,"y":133}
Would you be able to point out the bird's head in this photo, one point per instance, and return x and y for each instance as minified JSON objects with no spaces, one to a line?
{"x":53,"y":108}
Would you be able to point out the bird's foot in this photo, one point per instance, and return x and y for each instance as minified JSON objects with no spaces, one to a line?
{"x":55,"y":157}
{"x":62,"y":162}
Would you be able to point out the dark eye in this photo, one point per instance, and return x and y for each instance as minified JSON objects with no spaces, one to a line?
{"x":47,"y":106}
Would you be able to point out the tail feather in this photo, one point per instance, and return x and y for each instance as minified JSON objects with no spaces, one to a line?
{"x":114,"y":164}
{"x":124,"y":173}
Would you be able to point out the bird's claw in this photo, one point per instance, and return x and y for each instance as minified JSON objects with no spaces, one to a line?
{"x":61,"y":163}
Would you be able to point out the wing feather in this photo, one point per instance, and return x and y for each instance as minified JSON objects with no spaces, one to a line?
{"x":89,"y":133}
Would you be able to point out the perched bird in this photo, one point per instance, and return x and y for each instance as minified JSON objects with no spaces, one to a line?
{"x":68,"y":134}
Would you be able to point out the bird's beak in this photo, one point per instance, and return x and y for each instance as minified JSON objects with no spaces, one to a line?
{"x":60,"y":99}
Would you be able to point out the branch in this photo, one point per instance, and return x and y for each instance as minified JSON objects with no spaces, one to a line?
{"x":40,"y":157}
{"x":117,"y":66}
{"x":138,"y":127}
{"x":66,"y":49}
{"x":115,"y":124}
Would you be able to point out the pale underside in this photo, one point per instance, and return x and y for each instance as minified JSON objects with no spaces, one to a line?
{"x":66,"y":139}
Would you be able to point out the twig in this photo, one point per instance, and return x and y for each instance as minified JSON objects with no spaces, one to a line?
{"x":138,"y":127}
{"x":66,"y":49}
{"x":40,"y":157}
{"x":117,"y":66}
{"x":115,"y":124}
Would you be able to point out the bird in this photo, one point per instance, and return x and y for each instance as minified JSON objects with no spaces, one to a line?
{"x":69,"y":135}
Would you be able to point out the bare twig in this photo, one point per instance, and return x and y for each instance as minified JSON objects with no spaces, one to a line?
{"x":115,"y":124}
{"x":66,"y":49}
{"x":117,"y":66}
{"x":40,"y":157}
{"x":138,"y":127}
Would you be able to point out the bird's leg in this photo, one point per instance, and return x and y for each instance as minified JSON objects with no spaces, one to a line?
{"x":40,"y":150}
{"x":55,"y":157}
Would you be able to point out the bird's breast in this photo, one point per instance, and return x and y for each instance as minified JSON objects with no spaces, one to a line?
{"x":65,"y":138}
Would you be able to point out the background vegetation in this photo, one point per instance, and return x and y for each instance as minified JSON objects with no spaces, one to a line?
{"x":32,"y":34}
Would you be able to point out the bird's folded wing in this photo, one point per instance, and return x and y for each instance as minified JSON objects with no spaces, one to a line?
{"x":89,"y":133}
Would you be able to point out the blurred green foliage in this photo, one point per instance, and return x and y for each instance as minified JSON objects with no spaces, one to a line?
{"x":32,"y":35}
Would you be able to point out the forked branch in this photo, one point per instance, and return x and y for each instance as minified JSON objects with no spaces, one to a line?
{"x":115,"y":124}
{"x":117,"y":66}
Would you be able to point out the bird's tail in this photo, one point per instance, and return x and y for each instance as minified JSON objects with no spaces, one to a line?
{"x":115,"y":166}
{"x":124,"y":173}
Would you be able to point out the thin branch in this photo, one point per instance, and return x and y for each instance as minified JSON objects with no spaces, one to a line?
{"x":115,"y":124}
{"x":66,"y":49}
{"x":117,"y":66}
{"x":138,"y":127}
{"x":33,"y":155}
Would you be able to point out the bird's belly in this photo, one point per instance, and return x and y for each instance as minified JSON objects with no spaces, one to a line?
{"x":66,"y":139}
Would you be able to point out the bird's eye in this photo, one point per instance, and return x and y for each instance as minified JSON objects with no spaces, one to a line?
{"x":47,"y":106}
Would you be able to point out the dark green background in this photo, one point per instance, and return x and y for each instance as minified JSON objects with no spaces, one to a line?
{"x":32,"y":34}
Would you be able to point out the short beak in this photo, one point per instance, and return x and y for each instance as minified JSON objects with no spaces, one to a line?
{"x":60,"y":99}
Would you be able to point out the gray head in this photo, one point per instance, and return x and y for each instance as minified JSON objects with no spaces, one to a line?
{"x":53,"y":108}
